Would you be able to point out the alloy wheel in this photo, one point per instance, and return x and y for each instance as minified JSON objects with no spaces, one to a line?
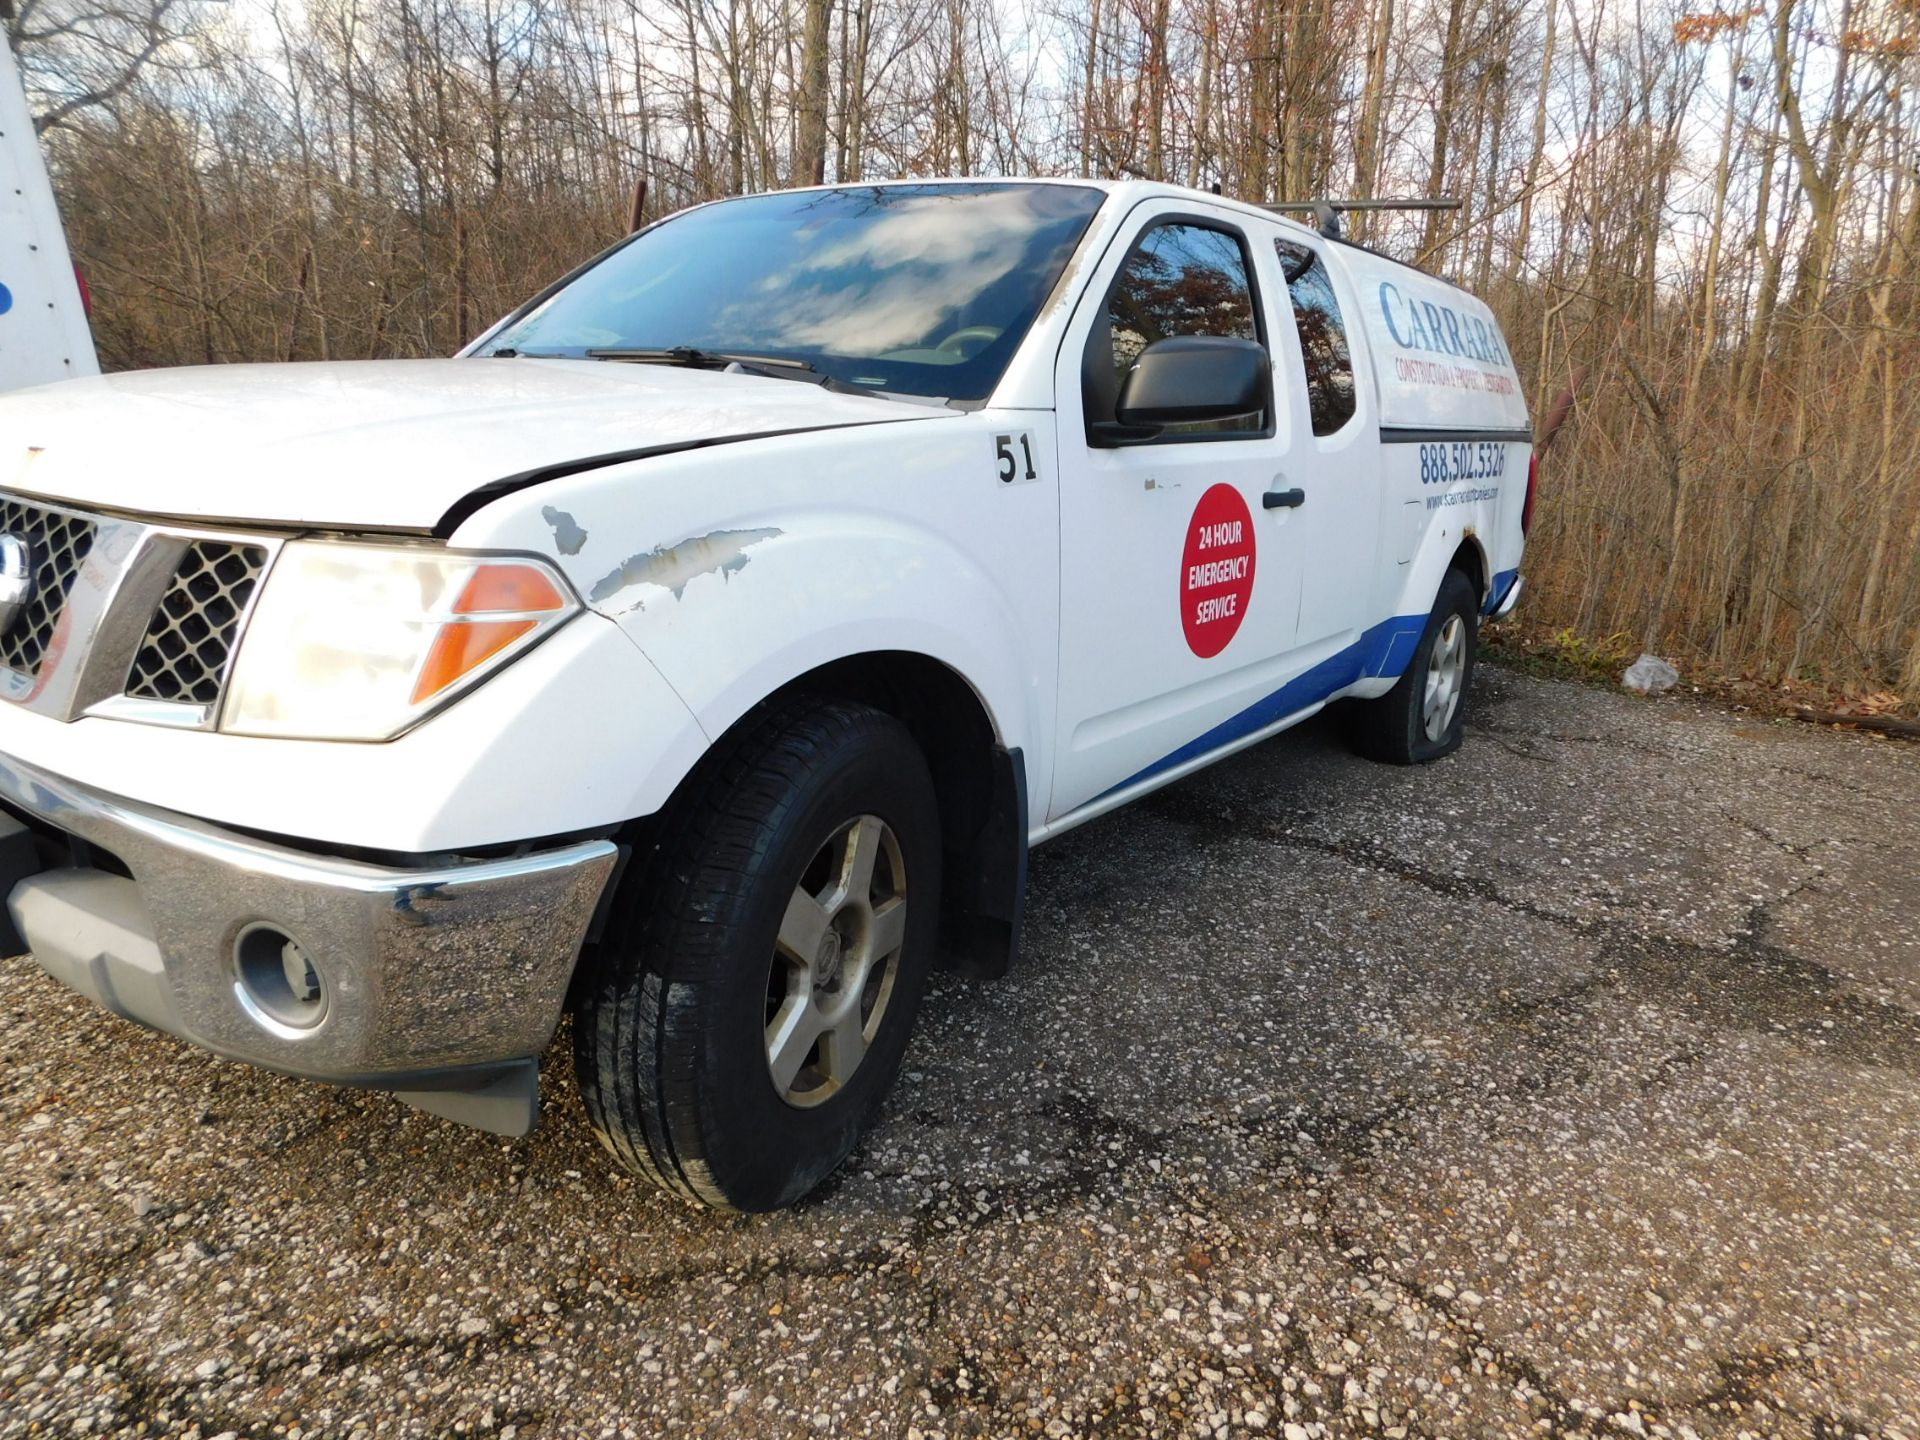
{"x":835,"y":961}
{"x":1446,"y":675}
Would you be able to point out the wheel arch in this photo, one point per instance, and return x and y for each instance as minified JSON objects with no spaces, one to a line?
{"x":1470,"y":557}
{"x":979,"y":782}
{"x":1419,"y":584}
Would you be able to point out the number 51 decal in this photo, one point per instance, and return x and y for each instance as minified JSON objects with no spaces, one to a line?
{"x":1015,"y":454}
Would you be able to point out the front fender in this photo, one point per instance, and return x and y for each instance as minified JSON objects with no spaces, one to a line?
{"x":775,"y":600}
{"x":737,"y":570}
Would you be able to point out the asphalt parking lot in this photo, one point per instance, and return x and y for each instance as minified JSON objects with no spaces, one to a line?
{"x":1571,"y":1086}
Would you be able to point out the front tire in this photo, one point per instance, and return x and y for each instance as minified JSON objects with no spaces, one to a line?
{"x":750,"y":1004}
{"x":1424,"y":716}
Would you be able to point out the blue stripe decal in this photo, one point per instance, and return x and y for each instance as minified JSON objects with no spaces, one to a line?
{"x":1497,"y":591}
{"x":1386,"y":649}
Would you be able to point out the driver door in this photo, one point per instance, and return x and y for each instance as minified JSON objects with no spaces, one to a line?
{"x":1180,"y":577}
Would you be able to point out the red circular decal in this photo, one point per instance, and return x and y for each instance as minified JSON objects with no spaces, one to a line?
{"x":1216,"y":571}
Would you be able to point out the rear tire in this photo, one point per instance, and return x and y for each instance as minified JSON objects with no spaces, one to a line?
{"x":1423,"y":716}
{"x":715,"y":1058}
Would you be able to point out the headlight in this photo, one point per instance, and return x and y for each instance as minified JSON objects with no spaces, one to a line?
{"x":358,"y":642}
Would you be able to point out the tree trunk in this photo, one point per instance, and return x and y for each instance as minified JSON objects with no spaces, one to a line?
{"x":1523,"y":236}
{"x":1373,"y":99}
{"x":810,"y":139}
{"x":1089,"y":121}
{"x":1450,"y":66}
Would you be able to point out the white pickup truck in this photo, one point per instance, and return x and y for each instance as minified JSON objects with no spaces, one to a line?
{"x":701,"y":651}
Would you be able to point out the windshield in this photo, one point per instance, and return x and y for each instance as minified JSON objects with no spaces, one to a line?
{"x":911,"y":289}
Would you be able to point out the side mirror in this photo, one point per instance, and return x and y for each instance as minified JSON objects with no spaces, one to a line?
{"x":1189,"y":379}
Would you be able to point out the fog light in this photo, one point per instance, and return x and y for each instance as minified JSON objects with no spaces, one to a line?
{"x":277,"y":984}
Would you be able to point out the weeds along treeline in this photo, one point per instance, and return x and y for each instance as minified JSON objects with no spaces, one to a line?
{"x":1708,"y":218}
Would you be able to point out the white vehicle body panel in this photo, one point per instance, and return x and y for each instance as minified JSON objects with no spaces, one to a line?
{"x":1136,"y":700}
{"x":1439,"y":360}
{"x":736,"y":576}
{"x":43,"y":326}
{"x":377,"y":444}
{"x":729,"y":533}
{"x":552,"y":753}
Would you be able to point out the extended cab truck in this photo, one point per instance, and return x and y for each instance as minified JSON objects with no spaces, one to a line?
{"x":704,"y":647}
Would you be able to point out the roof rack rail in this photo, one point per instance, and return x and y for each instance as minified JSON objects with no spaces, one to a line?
{"x":1326,"y":213}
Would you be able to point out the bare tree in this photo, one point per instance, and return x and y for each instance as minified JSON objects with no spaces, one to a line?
{"x":1711,"y":210}
{"x":80,"y":55}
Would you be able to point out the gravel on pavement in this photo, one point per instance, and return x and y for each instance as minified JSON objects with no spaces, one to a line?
{"x":1570,"y":1086}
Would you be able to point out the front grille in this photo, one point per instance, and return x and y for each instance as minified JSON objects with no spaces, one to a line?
{"x":190,"y":638}
{"x":57,"y":542}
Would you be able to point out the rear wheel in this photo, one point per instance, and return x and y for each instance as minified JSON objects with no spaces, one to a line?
{"x":751,"y":1002}
{"x":1423,"y":716}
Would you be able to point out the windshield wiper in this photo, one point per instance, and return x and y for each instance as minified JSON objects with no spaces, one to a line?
{"x":778,"y":367}
{"x":696,"y":358}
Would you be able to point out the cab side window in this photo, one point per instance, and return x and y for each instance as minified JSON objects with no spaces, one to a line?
{"x":1323,"y":337}
{"x":1180,"y":278}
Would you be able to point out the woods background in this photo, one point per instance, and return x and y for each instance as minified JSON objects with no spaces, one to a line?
{"x":1712,"y":215}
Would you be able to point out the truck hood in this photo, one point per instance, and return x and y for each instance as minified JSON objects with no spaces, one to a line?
{"x":378,"y":444}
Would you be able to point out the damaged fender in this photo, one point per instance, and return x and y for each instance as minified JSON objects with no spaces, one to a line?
{"x":834,"y":556}
{"x":672,"y":567}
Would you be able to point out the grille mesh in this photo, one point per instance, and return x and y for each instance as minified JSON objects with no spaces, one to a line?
{"x":57,"y":542}
{"x":190,"y":639}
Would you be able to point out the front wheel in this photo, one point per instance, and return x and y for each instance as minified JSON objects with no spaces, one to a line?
{"x":1423,"y":716}
{"x":749,"y":1006}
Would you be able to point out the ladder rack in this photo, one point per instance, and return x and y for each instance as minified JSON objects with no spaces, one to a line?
{"x":1327,"y":213}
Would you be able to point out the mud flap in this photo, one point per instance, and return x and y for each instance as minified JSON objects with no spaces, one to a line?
{"x":501,"y":1099}
{"x":987,"y":886}
{"x":19,"y":858}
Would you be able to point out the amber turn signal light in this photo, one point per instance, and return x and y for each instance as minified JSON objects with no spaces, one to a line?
{"x":501,"y":599}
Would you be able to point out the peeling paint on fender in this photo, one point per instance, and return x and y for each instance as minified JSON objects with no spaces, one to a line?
{"x":567,"y":533}
{"x":719,"y":552}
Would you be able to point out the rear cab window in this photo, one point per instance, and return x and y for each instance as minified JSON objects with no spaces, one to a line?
{"x":1324,"y":350}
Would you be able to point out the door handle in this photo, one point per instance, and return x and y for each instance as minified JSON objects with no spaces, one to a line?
{"x":1284,"y":499}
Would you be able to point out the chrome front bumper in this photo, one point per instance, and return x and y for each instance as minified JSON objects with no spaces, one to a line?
{"x":442,"y":982}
